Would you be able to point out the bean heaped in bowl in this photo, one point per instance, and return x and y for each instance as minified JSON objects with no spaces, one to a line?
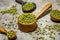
{"x":27,"y":22}
{"x":27,"y":18}
{"x":55,"y":15}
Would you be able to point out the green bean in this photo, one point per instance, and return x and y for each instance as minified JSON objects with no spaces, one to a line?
{"x":55,"y":13}
{"x":12,"y":10}
{"x":28,"y":6}
{"x":27,"y":18}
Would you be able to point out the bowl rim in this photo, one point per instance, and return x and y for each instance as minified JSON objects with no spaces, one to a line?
{"x":29,"y":23}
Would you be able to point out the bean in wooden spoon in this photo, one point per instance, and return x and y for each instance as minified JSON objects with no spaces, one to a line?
{"x":28,"y":25}
{"x":27,"y":7}
{"x":10,"y":34}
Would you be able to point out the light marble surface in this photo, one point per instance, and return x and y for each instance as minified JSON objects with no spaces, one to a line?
{"x":6,"y":4}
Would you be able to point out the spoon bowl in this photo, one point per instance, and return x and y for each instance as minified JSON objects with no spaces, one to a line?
{"x":10,"y":34}
{"x":23,"y":3}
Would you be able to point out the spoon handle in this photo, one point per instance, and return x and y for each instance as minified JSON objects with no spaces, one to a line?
{"x":2,"y":30}
{"x":47,"y":6}
{"x":20,"y":1}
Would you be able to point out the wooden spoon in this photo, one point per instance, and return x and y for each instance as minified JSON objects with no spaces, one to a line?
{"x":23,"y":3}
{"x":32,"y":26}
{"x":3,"y":30}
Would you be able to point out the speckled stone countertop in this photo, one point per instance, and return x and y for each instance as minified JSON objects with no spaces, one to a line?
{"x":9,"y":21}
